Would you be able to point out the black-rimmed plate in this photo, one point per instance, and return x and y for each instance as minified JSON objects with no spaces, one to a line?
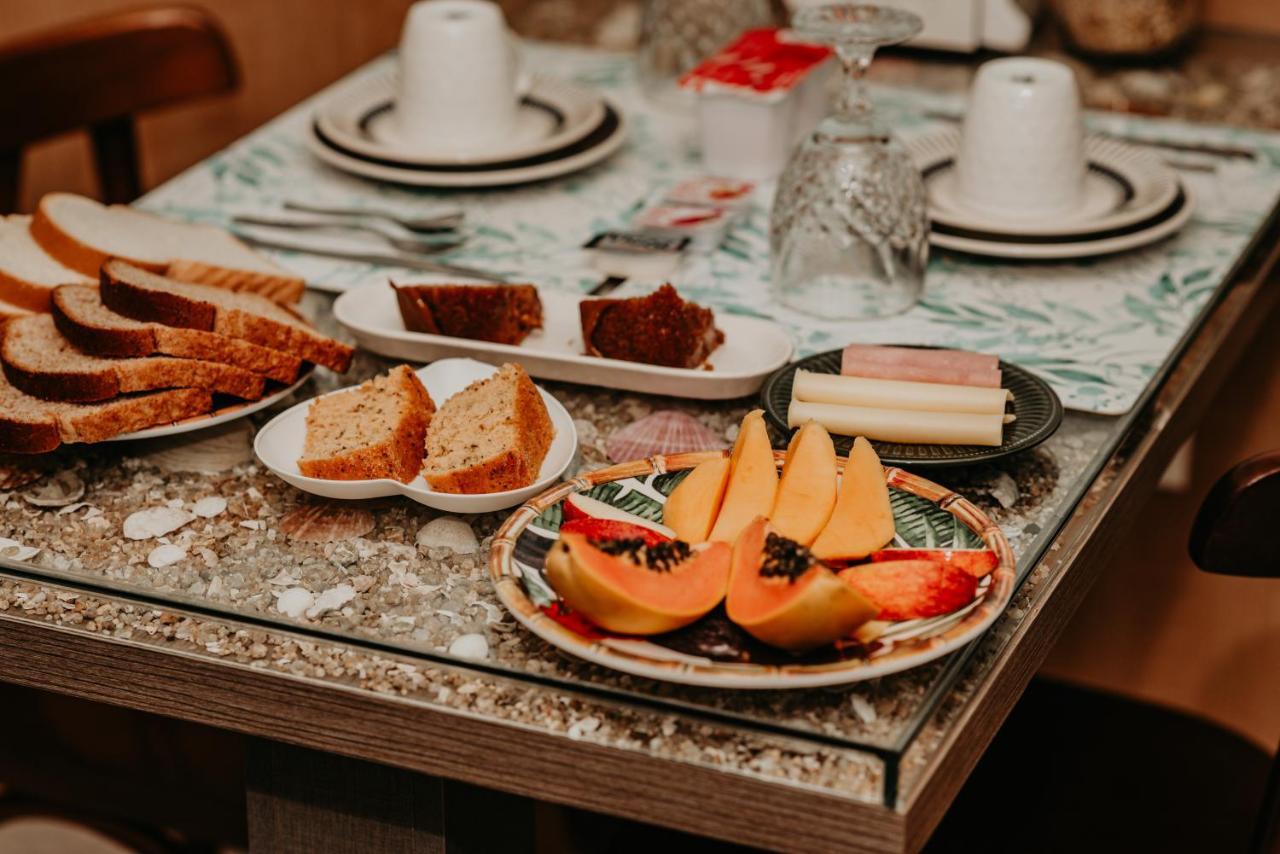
{"x":1036,"y":405}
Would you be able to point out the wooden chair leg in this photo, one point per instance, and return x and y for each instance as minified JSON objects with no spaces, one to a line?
{"x":10,"y":172}
{"x":115,"y":152}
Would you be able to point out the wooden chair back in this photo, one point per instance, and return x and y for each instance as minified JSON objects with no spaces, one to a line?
{"x":1237,"y":532}
{"x":98,"y":74}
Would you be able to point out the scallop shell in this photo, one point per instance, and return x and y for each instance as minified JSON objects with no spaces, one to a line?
{"x":326,"y":523}
{"x":212,"y":451}
{"x":154,"y":522}
{"x":16,"y":472}
{"x":62,"y":489}
{"x":664,"y":432}
{"x":15,"y":550}
{"x":166,"y":555}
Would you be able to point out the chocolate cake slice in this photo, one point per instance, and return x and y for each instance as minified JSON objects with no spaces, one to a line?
{"x":502,"y":314}
{"x":658,"y":329}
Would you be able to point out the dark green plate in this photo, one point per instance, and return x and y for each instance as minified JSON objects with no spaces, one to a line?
{"x":1036,"y":405}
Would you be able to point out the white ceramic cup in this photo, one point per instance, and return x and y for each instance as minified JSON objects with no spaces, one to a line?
{"x":1022,"y":147}
{"x":459,"y":82}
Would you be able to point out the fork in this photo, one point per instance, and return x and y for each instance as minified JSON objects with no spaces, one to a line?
{"x":404,"y":244}
{"x":446,"y":220}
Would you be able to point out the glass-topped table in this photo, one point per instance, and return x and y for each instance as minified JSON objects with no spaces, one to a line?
{"x":370,"y":644}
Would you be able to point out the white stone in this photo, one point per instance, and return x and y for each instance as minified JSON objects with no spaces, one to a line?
{"x":15,"y":550}
{"x":294,"y":602}
{"x":165,"y":555}
{"x":449,"y":532}
{"x":155,"y":522}
{"x":331,"y":600}
{"x":863,"y":709}
{"x":210,"y":506}
{"x":472,"y":646}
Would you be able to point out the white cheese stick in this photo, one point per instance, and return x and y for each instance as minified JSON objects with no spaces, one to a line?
{"x":896,"y":394}
{"x":902,"y":425}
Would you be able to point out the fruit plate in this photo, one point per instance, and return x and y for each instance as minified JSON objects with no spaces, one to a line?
{"x":712,"y":651}
{"x":221,"y":415}
{"x":279,"y":444}
{"x":753,"y":348}
{"x":1035,"y":403}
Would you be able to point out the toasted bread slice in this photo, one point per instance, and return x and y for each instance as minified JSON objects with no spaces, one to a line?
{"x":95,"y":329}
{"x":377,"y":429}
{"x":29,"y":425}
{"x":490,"y":437}
{"x":28,"y":274}
{"x":40,"y":362}
{"x":82,"y":234}
{"x":134,"y":292}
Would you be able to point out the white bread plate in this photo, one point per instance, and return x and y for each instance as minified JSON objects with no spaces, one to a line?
{"x":279,"y":445}
{"x":753,"y":348}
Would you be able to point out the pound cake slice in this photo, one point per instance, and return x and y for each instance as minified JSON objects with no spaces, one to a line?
{"x":503,"y":314}
{"x":490,"y":437}
{"x":141,"y":295}
{"x":40,"y":362}
{"x":29,"y":425}
{"x":82,"y":234}
{"x":95,"y":329}
{"x":377,"y":429}
{"x":658,"y":329}
{"x":28,"y":274}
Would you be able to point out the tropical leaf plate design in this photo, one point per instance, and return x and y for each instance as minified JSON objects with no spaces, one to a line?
{"x":713,"y":651}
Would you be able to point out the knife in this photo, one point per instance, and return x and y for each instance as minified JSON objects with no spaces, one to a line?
{"x":389,"y":259}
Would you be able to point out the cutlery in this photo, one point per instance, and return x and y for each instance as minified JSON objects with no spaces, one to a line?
{"x":404,"y":244}
{"x":446,"y":220}
{"x":389,"y":259}
{"x":1224,"y":151}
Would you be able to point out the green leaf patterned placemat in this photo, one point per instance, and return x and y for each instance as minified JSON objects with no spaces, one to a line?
{"x":1097,"y":330}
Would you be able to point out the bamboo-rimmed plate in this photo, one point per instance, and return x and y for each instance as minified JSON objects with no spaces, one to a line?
{"x":713,"y":652}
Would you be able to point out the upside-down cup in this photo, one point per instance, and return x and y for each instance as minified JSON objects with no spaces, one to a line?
{"x":757,"y":98}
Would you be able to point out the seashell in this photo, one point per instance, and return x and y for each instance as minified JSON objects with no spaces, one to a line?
{"x":448,"y":532}
{"x":331,"y":600}
{"x":211,"y":451}
{"x":294,"y":601}
{"x":664,"y":432}
{"x":62,"y":489}
{"x":154,"y":522}
{"x":14,"y":550}
{"x":326,"y":523}
{"x":209,"y":506}
{"x":164,"y":555}
{"x":472,"y":646}
{"x":17,"y":472}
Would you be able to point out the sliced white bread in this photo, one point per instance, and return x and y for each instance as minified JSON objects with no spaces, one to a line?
{"x":82,"y":234}
{"x":40,"y":362}
{"x":29,"y":425}
{"x":95,"y":329}
{"x":490,"y":437}
{"x":28,"y":274}
{"x":132,"y":291}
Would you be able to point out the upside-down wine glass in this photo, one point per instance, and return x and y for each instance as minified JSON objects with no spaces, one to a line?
{"x":849,"y":233}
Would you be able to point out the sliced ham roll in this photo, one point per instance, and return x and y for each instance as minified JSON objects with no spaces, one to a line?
{"x":949,"y":367}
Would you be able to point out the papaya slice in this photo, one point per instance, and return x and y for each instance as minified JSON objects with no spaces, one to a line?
{"x":977,"y":562}
{"x":782,"y":595}
{"x":693,"y":505}
{"x":912,"y":589}
{"x":631,"y":587}
{"x":611,"y":529}
{"x":807,"y":490}
{"x":753,"y":480}
{"x":863,"y":518}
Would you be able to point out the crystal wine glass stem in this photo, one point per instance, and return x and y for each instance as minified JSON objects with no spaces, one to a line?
{"x":853,"y":105}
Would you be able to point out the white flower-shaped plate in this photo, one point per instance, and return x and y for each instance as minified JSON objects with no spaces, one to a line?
{"x":279,"y":445}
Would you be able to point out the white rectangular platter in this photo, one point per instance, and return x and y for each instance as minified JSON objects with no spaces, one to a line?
{"x":753,"y":348}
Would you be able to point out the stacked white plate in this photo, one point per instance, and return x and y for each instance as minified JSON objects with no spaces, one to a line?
{"x":561,"y":128}
{"x":1130,"y":199}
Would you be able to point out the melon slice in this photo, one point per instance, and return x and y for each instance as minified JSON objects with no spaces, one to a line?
{"x":625,"y":586}
{"x":863,"y":518}
{"x":753,"y":480}
{"x":579,"y":506}
{"x":781,"y":595}
{"x":807,"y":490}
{"x":692,"y":508}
